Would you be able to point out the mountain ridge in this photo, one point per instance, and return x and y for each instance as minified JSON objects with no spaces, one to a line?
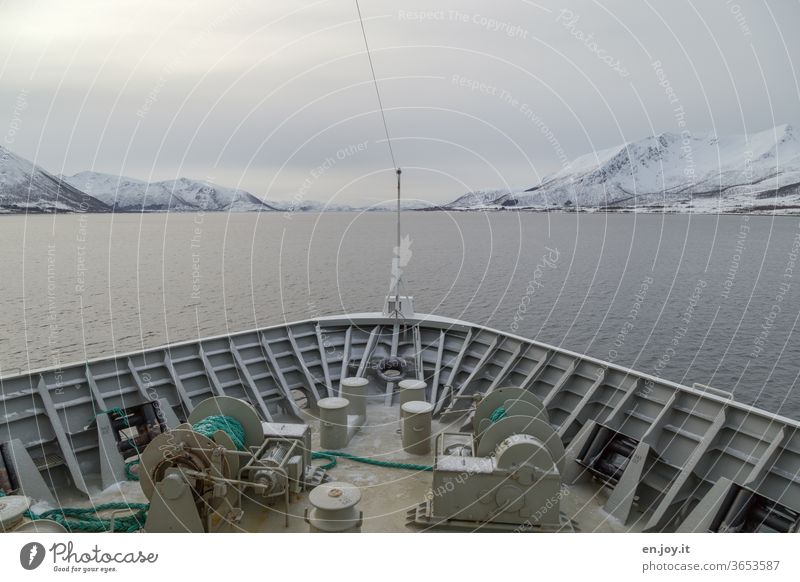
{"x":180,"y":195}
{"x":665,"y":172}
{"x":27,"y":188}
{"x":668,"y":171}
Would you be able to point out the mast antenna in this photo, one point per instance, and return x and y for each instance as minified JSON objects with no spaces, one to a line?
{"x":377,"y":90}
{"x":394,"y":302}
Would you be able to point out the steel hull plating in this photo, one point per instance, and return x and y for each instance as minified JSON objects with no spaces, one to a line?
{"x":661,"y":450}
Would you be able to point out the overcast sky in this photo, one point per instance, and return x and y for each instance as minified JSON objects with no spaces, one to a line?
{"x":275,"y":97}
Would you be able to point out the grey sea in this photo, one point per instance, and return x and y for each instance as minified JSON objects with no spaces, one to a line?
{"x":708,"y":299}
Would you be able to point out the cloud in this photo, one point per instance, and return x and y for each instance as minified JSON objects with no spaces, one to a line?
{"x":256,"y":94}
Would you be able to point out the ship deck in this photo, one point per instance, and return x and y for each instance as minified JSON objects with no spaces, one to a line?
{"x":679,"y":443}
{"x":388,"y":494}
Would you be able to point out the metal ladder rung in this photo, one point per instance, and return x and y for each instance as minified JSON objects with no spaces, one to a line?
{"x":49,"y":462}
{"x":190,"y":375}
{"x":15,"y":416}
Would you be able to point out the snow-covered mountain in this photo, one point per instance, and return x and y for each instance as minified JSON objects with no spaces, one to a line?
{"x":670,"y":172}
{"x":25,"y":187}
{"x":311,"y":206}
{"x":131,"y":195}
{"x":480,"y":198}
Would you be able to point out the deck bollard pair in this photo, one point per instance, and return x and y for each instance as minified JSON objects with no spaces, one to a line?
{"x":411,"y":390}
{"x":416,"y":417}
{"x":341,"y":417}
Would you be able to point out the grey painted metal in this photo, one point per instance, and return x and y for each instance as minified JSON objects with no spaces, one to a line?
{"x":333,"y":423}
{"x":624,"y":402}
{"x":98,"y":398}
{"x":412,"y":390}
{"x":573,"y":471}
{"x":212,"y":376}
{"x":508,"y":398}
{"x":40,"y":526}
{"x":558,"y":386}
{"x":355,"y":391}
{"x":373,"y":336}
{"x":31,"y":481}
{"x":12,"y":511}
{"x":323,"y":355}
{"x":501,"y":375}
{"x":456,"y":363}
{"x":652,"y":432}
{"x":620,"y":502}
{"x":348,"y":339}
{"x":166,"y":414}
{"x":137,"y":380}
{"x":61,"y":436}
{"x":416,"y":432}
{"x":700,"y":518}
{"x":312,"y":383}
{"x":112,"y":465}
{"x":334,"y":508}
{"x":662,"y":514}
{"x":418,"y":353}
{"x":393,"y":353}
{"x":692,"y":446}
{"x":767,"y":459}
{"x":457,"y":404}
{"x":249,"y":382}
{"x":184,"y":395}
{"x":532,"y":376}
{"x":438,"y":368}
{"x":277,"y":374}
{"x":584,"y":401}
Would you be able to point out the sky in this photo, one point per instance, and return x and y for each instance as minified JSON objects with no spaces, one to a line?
{"x":277,"y":98}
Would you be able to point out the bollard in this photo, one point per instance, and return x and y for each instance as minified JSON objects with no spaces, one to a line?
{"x":355,"y":390}
{"x":40,"y":526}
{"x":411,"y":390}
{"x":12,"y":510}
{"x":417,"y":418}
{"x":333,"y":423}
{"x":333,"y":508}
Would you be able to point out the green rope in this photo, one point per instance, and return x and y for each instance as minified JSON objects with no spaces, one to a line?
{"x":498,"y":413}
{"x":88,"y":519}
{"x":129,"y":470}
{"x":229,"y":425}
{"x":332,"y":456}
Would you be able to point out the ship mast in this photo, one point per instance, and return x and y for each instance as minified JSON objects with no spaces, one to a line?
{"x":396,"y":305}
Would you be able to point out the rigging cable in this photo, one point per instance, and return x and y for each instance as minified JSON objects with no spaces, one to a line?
{"x":377,"y":90}
{"x":397,"y":275}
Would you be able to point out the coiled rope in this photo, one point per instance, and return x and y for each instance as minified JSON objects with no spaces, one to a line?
{"x":333,"y":455}
{"x":88,"y":519}
{"x":207,"y":427}
{"x":129,"y":470}
{"x":227,"y":424}
{"x":498,"y":413}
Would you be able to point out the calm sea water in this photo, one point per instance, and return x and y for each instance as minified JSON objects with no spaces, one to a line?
{"x":703,"y":299}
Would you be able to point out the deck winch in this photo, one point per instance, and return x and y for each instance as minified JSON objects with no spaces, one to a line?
{"x":506,"y":474}
{"x":197,"y":477}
